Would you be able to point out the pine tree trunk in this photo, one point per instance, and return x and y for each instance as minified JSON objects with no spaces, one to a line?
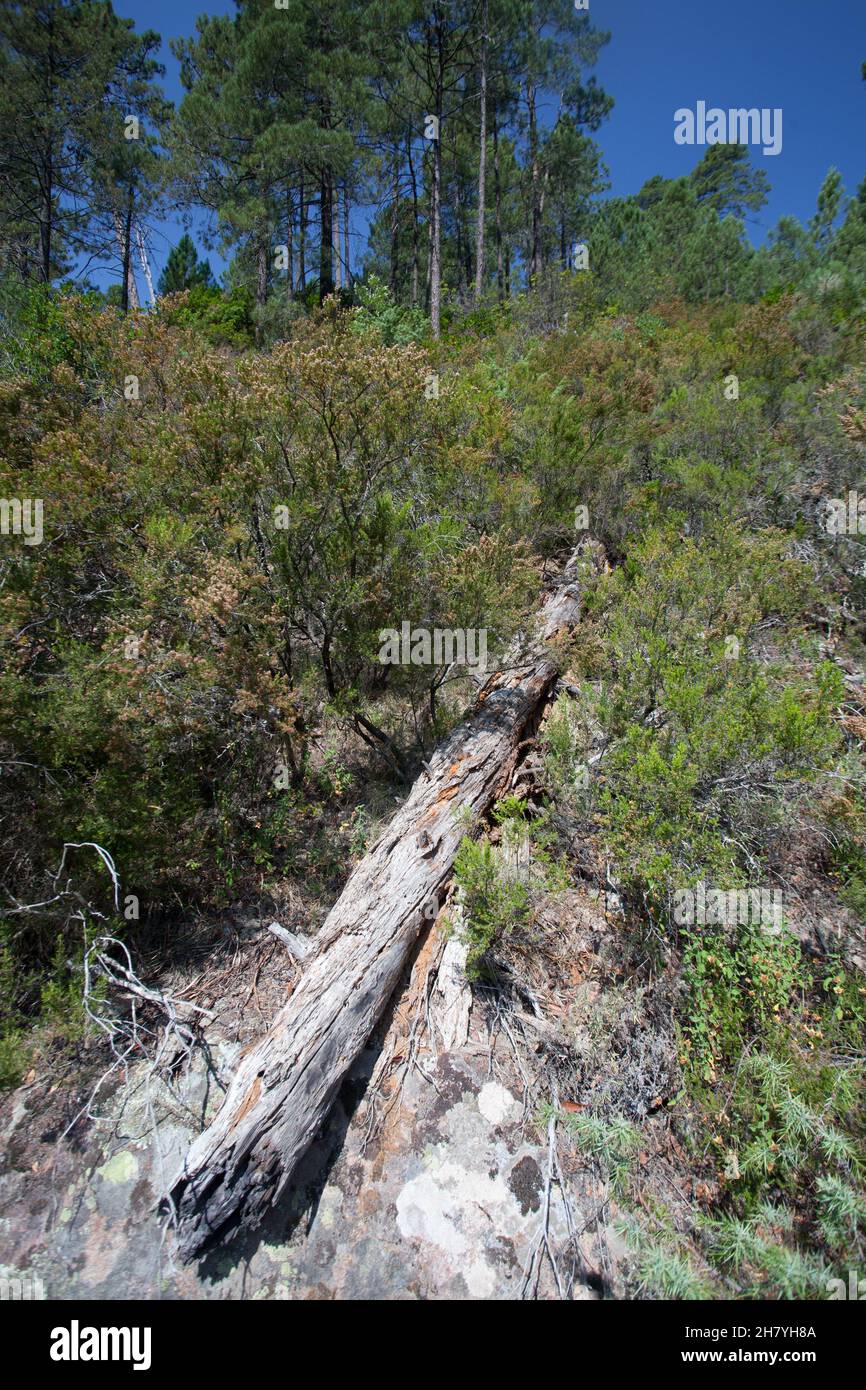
{"x":126,"y":297}
{"x":429,"y":258}
{"x":436,"y":241}
{"x":467,"y":243}
{"x":482,"y":163}
{"x":130,"y":299}
{"x":500,"y":267}
{"x":458,"y":231}
{"x":393,"y":268}
{"x":46,"y":175}
{"x":290,"y":267}
{"x":347,"y":273}
{"x":335,"y":214}
{"x":436,"y":193}
{"x":415,"y":237}
{"x":45,"y":222}
{"x":326,"y":248}
{"x":302,"y":237}
{"x":261,"y":273}
{"x":535,"y":248}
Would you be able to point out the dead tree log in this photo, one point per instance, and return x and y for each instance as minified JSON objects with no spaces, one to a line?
{"x":284,"y":1086}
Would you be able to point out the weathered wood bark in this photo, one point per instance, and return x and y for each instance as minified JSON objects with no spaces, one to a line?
{"x":298,"y":946}
{"x":283,"y":1088}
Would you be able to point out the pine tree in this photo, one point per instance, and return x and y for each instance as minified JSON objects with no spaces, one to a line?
{"x":67,"y":68}
{"x":274,"y":106}
{"x":726,"y":181}
{"x":127,"y":165}
{"x":183,"y":269}
{"x":555,"y":45}
{"x":830,"y":198}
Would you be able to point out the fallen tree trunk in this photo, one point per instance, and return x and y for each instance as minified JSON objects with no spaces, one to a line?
{"x":284,"y":1086}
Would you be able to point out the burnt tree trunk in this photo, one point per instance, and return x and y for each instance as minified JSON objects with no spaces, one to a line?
{"x":284,"y":1087}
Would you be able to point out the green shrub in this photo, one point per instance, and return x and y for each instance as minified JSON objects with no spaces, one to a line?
{"x":612,"y":1143}
{"x":493,"y":904}
{"x":737,"y":985}
{"x":707,"y":743}
{"x":379,"y":313}
{"x":14,"y":1056}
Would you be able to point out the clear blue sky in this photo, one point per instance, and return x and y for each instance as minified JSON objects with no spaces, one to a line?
{"x":801,"y":55}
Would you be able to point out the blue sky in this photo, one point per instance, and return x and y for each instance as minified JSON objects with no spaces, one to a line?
{"x":801,"y":55}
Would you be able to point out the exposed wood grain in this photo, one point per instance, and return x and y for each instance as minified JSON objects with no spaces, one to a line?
{"x":297,"y":946}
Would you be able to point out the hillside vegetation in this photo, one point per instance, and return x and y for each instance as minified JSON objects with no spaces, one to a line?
{"x":242,"y":488}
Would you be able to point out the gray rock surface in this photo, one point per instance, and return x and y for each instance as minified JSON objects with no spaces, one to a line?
{"x":428,"y":1182}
